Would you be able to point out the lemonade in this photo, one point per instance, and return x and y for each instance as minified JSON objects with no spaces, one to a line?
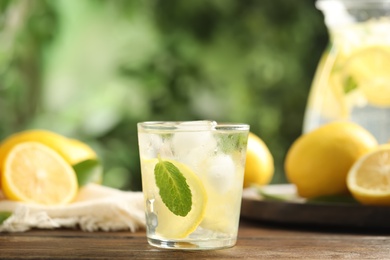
{"x":192,"y":179}
{"x":352,"y":81}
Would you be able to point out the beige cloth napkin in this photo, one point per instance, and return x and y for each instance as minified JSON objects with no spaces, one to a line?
{"x":95,"y":208}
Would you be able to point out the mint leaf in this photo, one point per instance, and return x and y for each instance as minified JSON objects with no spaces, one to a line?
{"x":4,"y":215}
{"x":174,"y":190}
{"x":231,"y":142}
{"x":349,"y":85}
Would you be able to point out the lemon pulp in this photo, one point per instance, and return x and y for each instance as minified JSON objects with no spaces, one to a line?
{"x":35,"y":173}
{"x":369,"y":178}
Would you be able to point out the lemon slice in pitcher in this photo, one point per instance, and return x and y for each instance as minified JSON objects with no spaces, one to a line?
{"x":369,"y":68}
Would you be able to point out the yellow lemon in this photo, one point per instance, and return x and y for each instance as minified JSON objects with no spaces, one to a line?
{"x":369,"y":178}
{"x":35,"y":173}
{"x":259,"y":167}
{"x":72,"y":150}
{"x":318,"y":162}
{"x":78,"y":154}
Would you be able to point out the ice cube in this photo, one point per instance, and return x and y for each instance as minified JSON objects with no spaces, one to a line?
{"x":193,"y":148}
{"x":184,"y":142}
{"x":221,"y":172}
{"x":198,"y":125}
{"x":151,"y":145}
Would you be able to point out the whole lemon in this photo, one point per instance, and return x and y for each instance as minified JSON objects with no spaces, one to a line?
{"x":318,"y":162}
{"x":259,"y":167}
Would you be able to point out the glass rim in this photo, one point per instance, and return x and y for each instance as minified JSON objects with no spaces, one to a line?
{"x":192,"y":126}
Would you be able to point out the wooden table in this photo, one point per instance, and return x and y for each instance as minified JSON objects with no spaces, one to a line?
{"x":256,"y":241}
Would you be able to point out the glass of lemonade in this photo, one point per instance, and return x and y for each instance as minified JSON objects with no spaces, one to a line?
{"x":352,"y":81}
{"x":192,"y":180}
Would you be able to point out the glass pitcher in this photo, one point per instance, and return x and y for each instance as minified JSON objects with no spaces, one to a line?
{"x":352,"y":81}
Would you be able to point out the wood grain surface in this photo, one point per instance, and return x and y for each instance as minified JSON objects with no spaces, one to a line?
{"x":256,"y":241}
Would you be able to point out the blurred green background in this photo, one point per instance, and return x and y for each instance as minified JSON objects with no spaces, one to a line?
{"x":92,"y":69}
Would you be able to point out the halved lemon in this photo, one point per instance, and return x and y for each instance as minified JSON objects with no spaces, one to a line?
{"x":35,"y":173}
{"x":74,"y":151}
{"x":170,"y":225}
{"x":369,"y":178}
{"x":78,"y":154}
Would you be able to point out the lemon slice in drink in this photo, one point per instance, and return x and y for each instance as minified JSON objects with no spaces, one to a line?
{"x":222,"y":219}
{"x":35,"y":173}
{"x":170,"y":225}
{"x":369,"y":178}
{"x":369,"y":68}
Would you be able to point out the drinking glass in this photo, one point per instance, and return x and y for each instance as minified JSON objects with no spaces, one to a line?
{"x":192,"y":180}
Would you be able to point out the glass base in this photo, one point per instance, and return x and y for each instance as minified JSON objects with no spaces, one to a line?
{"x":192,"y":244}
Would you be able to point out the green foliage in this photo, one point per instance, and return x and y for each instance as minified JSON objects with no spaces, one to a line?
{"x":92,"y":69}
{"x":4,"y":215}
{"x":26,"y":30}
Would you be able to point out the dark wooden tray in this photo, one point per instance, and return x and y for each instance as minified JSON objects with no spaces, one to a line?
{"x":299,"y":212}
